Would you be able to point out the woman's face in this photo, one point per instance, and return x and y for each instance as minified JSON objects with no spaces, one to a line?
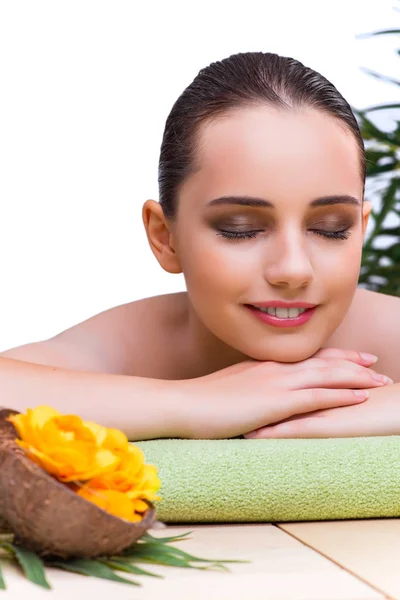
{"x":301,"y":244}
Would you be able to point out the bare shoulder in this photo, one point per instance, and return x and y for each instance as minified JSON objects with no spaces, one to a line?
{"x":365,"y":301}
{"x":372,"y":324}
{"x":134,"y":338}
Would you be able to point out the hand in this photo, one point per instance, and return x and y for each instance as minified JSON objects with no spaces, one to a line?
{"x":253,"y":394}
{"x":379,"y":415}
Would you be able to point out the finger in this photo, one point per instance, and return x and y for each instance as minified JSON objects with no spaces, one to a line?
{"x":325,"y":362}
{"x":300,"y":402}
{"x":311,"y":427}
{"x":336,"y":377}
{"x":318,"y":399}
{"x":291,"y":429}
{"x":301,"y":426}
{"x":340,"y":422}
{"x":362,"y":358}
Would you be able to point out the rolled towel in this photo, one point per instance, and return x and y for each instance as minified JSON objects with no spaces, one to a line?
{"x":276,"y":480}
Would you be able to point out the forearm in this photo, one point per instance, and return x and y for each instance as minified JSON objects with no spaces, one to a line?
{"x":142,"y":408}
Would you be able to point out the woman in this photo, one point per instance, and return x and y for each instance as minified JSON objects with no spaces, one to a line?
{"x":261,"y":177}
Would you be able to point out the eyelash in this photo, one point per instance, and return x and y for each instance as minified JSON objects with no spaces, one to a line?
{"x":237,"y":235}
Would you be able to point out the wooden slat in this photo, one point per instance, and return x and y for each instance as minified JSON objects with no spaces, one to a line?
{"x":368,"y":548}
{"x":281,"y":568}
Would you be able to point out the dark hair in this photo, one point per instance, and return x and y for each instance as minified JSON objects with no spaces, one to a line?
{"x":244,"y":79}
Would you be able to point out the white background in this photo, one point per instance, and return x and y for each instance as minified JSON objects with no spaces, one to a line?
{"x":86,"y":87}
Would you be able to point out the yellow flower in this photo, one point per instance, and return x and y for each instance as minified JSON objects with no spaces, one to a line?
{"x":65,"y":446}
{"x":114,"y":502}
{"x":113,"y":471}
{"x":132,"y":483}
{"x":115,"y":440}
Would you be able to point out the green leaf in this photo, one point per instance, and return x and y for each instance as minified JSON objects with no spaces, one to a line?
{"x":151,"y":539}
{"x":375,"y":169}
{"x":158,"y":550}
{"x":159,"y":554}
{"x":6,"y":537}
{"x":377,"y":155}
{"x":382,"y":106}
{"x":381,"y":32}
{"x":388,"y":200}
{"x":90,"y":567}
{"x":148,"y":549}
{"x":7,"y":547}
{"x":167,"y":560}
{"x":385,"y":78}
{"x":171,"y":556}
{"x":124,"y":565}
{"x":395,"y":231}
{"x":2,"y":582}
{"x":190,"y":558}
{"x":174,"y":552}
{"x":30,"y":563}
{"x":371,"y":131}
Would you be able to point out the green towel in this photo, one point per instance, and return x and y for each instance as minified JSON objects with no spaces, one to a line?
{"x":276,"y":480}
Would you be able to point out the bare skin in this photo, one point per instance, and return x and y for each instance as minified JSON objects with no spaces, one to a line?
{"x":293,"y":257}
{"x":198,"y":332}
{"x":91,"y":362}
{"x":148,"y":337}
{"x":309,"y":230}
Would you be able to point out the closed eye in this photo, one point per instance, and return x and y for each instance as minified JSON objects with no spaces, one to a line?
{"x":341,"y":234}
{"x":235,"y":235}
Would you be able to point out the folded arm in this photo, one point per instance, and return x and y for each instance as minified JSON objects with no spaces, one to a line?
{"x":379,"y":415}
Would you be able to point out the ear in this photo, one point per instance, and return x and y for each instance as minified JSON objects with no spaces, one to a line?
{"x":366,"y":211}
{"x":160,"y":236}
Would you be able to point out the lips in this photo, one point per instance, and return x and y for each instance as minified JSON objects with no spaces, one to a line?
{"x":281,"y":304}
{"x":285,"y":322}
{"x":282,"y":313}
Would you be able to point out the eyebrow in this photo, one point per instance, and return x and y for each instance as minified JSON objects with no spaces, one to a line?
{"x":257,"y":202}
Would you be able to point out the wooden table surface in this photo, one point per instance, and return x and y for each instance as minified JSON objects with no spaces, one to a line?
{"x":329,"y":560}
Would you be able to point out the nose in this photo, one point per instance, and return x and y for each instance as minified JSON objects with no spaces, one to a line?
{"x":288,"y":265}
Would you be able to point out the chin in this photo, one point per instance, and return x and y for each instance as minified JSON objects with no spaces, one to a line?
{"x":285,"y":354}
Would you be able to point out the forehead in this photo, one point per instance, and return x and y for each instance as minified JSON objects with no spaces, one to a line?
{"x":275,"y":153}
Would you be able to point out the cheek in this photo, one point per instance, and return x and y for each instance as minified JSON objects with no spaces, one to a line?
{"x":216,"y":264}
{"x":342,"y":266}
{"x":339,"y":271}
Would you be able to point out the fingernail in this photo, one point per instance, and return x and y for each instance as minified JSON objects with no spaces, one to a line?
{"x":362,"y":394}
{"x":370,"y":358}
{"x":381,"y":378}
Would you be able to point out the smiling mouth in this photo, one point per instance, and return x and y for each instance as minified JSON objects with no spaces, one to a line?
{"x":281,"y":312}
{"x":279,"y":316}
